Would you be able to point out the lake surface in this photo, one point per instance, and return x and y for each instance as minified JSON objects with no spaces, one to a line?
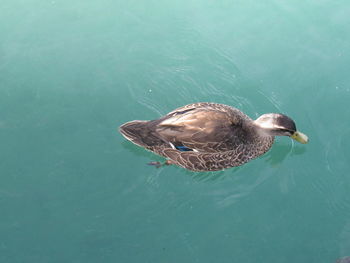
{"x":72,"y":189}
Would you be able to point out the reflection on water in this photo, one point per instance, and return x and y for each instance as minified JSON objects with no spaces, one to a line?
{"x":343,"y":260}
{"x":280,"y":151}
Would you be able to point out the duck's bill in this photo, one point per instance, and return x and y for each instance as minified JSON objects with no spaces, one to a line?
{"x":300,"y":137}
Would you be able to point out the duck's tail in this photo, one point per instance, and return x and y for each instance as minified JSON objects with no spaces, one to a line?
{"x":140,"y":133}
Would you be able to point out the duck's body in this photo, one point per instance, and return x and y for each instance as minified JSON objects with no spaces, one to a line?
{"x":202,"y":136}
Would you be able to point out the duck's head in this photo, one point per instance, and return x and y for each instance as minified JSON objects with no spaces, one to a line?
{"x":276,"y":124}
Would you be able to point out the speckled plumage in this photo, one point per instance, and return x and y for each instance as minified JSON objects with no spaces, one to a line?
{"x":218,"y":135}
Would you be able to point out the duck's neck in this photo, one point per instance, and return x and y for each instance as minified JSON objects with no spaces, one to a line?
{"x":261,"y":140}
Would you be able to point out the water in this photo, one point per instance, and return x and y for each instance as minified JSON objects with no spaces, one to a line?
{"x":72,"y":189}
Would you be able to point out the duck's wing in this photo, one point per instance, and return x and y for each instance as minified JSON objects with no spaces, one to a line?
{"x":202,"y":127}
{"x":207,"y":161}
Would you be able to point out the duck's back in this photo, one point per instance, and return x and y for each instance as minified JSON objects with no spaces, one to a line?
{"x":204,"y":127}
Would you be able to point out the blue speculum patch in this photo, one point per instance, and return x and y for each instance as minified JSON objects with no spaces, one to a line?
{"x":183,"y":148}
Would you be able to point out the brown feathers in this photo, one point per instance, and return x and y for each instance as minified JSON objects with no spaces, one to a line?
{"x":201,"y":137}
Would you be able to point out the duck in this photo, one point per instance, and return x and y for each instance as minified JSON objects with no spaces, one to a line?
{"x":208,"y":136}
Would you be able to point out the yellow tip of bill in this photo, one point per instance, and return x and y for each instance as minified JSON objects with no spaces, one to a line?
{"x":300,"y":137}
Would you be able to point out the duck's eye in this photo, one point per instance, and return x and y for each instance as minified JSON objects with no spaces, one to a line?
{"x":285,"y":131}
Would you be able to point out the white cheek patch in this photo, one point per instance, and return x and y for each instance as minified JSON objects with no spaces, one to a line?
{"x":269,"y":124}
{"x":279,"y":127}
{"x":266,"y":124}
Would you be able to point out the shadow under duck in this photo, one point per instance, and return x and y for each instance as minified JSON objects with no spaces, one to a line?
{"x":210,"y":136}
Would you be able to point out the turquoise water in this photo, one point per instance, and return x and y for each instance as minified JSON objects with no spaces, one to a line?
{"x":72,"y":189}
